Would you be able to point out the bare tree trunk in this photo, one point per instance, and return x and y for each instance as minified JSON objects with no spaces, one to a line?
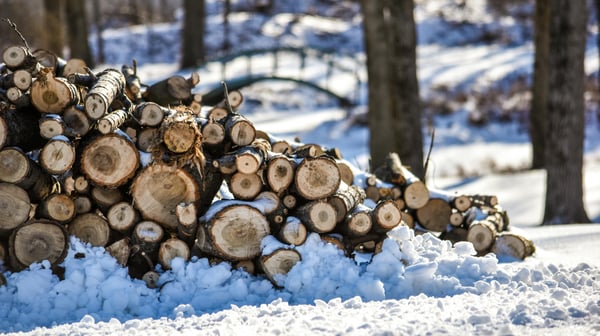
{"x":99,"y":28}
{"x":406,"y":115}
{"x":379,"y":81}
{"x":193,"y":51}
{"x":565,"y":133}
{"x":537,"y":115}
{"x":78,"y":28}
{"x":54,"y":29}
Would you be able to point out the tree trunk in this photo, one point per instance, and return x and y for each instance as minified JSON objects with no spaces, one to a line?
{"x":77,"y":26}
{"x":379,"y":83}
{"x":539,"y":89}
{"x":53,"y":26}
{"x":193,"y":52}
{"x":565,"y":132}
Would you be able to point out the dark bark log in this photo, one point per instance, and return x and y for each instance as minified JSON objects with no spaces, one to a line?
{"x":20,"y":128}
{"x":344,"y":201}
{"x":16,"y":167}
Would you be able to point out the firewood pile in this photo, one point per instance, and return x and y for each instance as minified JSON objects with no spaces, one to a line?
{"x":150,"y":174}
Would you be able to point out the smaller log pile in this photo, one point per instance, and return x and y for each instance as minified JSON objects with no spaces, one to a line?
{"x":150,"y":174}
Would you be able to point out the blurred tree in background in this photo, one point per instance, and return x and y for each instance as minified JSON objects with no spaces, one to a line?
{"x":394,"y":103}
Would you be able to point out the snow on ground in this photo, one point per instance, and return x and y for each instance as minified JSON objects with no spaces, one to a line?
{"x":417,"y":285}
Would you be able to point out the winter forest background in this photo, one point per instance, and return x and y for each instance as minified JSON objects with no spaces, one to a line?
{"x":509,"y":87}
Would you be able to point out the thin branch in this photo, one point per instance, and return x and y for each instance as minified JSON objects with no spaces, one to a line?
{"x":14,"y":27}
{"x":428,"y":155}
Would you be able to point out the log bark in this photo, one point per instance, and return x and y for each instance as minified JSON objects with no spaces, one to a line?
{"x":344,"y":201}
{"x":77,"y":121}
{"x":109,"y":86}
{"x":57,"y":156}
{"x":235,"y":231}
{"x":147,"y":236}
{"x":159,"y":188}
{"x":109,"y":160}
{"x":51,"y":94}
{"x":434,"y":215}
{"x":170,"y":249}
{"x":18,"y":57}
{"x":15,"y":207}
{"x":90,"y":228}
{"x":133,"y":85}
{"x":318,"y":216}
{"x":150,"y":114}
{"x":172,"y":91}
{"x":37,"y":240}
{"x":120,"y":251}
{"x":20,"y":128}
{"x":391,"y":171}
{"x":187,"y":222}
{"x":239,"y":130}
{"x":16,"y":167}
{"x":317,"y":178}
{"x":112,"y":121}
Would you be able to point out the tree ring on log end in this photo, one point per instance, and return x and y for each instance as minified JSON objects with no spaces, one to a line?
{"x":110,"y":160}
{"x":317,"y":178}
{"x":159,"y":188}
{"x":237,"y":231}
{"x":37,"y":241}
{"x":14,"y":206}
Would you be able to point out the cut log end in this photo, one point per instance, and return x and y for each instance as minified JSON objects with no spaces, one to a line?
{"x":278,"y":263}
{"x":38,"y":240}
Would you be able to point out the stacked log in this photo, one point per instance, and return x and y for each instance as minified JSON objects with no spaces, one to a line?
{"x":151,"y":176}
